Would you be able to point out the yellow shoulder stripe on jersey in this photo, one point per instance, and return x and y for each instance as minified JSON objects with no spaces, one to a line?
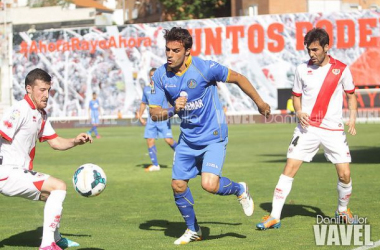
{"x":154,"y":106}
{"x":187,"y":65}
{"x":228,"y":75}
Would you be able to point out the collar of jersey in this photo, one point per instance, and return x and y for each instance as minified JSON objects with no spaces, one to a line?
{"x":187,"y":65}
{"x":29,"y":101}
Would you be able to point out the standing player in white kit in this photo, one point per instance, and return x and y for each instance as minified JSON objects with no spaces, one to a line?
{"x":318,"y":99}
{"x":20,"y":127}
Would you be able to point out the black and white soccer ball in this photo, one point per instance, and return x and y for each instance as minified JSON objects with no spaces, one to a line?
{"x":89,"y":180}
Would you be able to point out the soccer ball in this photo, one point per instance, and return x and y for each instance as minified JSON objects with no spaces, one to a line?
{"x":89,"y":180}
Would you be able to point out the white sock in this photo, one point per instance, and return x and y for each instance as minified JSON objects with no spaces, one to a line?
{"x":282,"y":190}
{"x":52,"y":216}
{"x":344,"y":193}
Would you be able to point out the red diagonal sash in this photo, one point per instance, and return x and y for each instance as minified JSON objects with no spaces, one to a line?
{"x":324,"y":96}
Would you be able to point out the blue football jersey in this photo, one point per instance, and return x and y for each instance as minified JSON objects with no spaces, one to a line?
{"x":203,"y":120}
{"x":94,"y":106}
{"x":147,"y":91}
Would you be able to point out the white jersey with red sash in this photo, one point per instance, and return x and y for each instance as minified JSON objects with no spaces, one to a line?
{"x":20,"y":127}
{"x":321,"y":89}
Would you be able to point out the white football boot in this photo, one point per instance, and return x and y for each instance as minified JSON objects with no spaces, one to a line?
{"x":246,"y":200}
{"x":188,"y":237}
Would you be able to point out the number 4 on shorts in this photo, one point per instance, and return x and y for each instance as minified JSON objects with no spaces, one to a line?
{"x":295,"y":141}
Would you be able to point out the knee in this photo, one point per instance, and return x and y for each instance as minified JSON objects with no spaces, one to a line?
{"x":345,"y":176}
{"x":210,"y":186}
{"x":179,"y":186}
{"x":59,"y":185}
{"x":150,"y":142}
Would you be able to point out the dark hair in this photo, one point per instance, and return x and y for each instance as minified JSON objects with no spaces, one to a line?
{"x":37,"y":74}
{"x":179,"y":34}
{"x":317,"y":34}
{"x":93,"y":93}
{"x":152,"y":70}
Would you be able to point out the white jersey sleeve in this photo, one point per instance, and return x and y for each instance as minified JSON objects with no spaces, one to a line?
{"x":11,"y":122}
{"x":47,"y":132}
{"x":297,"y":87}
{"x":348,"y":81}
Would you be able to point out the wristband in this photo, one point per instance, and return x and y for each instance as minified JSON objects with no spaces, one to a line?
{"x":171,"y":112}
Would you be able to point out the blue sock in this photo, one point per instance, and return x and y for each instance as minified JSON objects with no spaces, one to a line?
{"x":185,"y":203}
{"x":153,"y":155}
{"x":90,"y":131}
{"x":95,"y":129}
{"x":174,"y":145}
{"x":228,"y":187}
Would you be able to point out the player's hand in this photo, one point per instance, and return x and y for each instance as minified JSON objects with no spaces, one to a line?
{"x":82,"y":138}
{"x":143,"y":122}
{"x":303,"y":119}
{"x":351,"y":127}
{"x":180,"y":104}
{"x":264,"y":109}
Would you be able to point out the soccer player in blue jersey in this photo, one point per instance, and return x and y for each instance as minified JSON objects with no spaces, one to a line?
{"x":190,"y":85}
{"x":94,"y":110}
{"x":154,"y":130}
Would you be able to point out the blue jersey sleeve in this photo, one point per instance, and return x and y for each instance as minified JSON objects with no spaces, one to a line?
{"x":217,"y":72}
{"x":157,"y":96}
{"x":144,"y":98}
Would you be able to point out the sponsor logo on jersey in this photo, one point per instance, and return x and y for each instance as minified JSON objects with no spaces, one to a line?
{"x":34,"y":118}
{"x":15,"y":114}
{"x":194,"y":105}
{"x":170,"y":85}
{"x":335,"y":71}
{"x":191,"y":83}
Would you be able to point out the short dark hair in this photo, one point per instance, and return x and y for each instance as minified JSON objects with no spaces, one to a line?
{"x":179,"y":34}
{"x":37,"y":74}
{"x":152,"y":70}
{"x":317,"y":34}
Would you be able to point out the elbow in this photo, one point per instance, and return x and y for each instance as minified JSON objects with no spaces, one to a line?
{"x":54,"y":146}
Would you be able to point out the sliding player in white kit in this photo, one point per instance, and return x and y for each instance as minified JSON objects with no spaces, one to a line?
{"x":20,"y":127}
{"x":318,"y":99}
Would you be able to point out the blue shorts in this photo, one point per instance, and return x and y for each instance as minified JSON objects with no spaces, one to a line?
{"x":190,"y":161}
{"x":94,"y":118}
{"x":158,"y":130}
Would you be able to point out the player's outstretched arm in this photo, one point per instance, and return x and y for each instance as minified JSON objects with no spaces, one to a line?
{"x":353,"y":107}
{"x":249,"y":90}
{"x":60,"y":143}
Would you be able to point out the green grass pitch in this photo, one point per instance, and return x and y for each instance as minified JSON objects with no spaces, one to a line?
{"x":137,"y":210}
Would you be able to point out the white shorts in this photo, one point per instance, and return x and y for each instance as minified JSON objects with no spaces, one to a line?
{"x":305,"y":144}
{"x":18,"y":182}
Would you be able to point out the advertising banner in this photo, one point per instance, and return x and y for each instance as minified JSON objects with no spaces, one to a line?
{"x":114,"y":61}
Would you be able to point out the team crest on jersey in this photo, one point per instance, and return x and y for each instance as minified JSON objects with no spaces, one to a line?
{"x":191,"y":83}
{"x":309,"y":72}
{"x":152,"y":89}
{"x":335,"y":71}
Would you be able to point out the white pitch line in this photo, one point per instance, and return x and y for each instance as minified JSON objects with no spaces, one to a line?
{"x":375,"y":244}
